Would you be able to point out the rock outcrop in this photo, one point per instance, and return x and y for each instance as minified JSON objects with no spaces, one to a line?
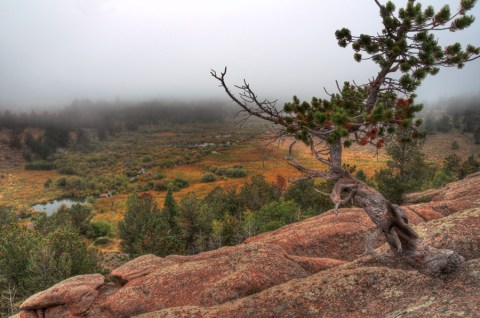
{"x":306,"y":269}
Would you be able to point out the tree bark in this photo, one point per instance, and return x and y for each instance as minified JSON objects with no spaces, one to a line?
{"x":391,"y":221}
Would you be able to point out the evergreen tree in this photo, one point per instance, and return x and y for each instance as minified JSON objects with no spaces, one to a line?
{"x":429,"y":125}
{"x":406,"y":51}
{"x":7,"y":215}
{"x":189,"y":214}
{"x":59,"y":255}
{"x":170,"y":209}
{"x":276,"y":214}
{"x":407,"y":170}
{"x":304,"y":193}
{"x":145,"y":230}
{"x":444,"y":124}
{"x":30,"y":261}
{"x":224,"y":200}
{"x":469,"y":166}
{"x":257,"y":192}
{"x":476,"y":136}
{"x":360,"y":175}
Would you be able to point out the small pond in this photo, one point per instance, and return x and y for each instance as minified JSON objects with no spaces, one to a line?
{"x":52,"y":206}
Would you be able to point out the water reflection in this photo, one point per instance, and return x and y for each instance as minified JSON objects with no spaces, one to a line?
{"x":51,"y":207}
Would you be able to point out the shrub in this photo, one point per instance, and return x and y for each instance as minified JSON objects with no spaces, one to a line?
{"x":236,"y":173}
{"x":443,"y":124}
{"x":59,"y":255}
{"x":47,"y":183}
{"x":180,"y":183}
{"x":61,"y":182}
{"x":224,"y":200}
{"x":144,"y":230}
{"x":304,"y":193}
{"x":77,"y":217}
{"x":360,"y":175}
{"x":40,"y":165}
{"x":455,"y":145}
{"x":31,"y":262}
{"x":147,"y":159}
{"x":15,"y":138}
{"x":68,"y":170}
{"x":97,"y":229}
{"x":158,"y":176}
{"x":16,"y":245}
{"x":257,"y":192}
{"x":6,"y":215}
{"x":161,"y":186}
{"x":406,"y":172}
{"x":276,"y":214}
{"x":208,"y":177}
{"x":476,"y":136}
{"x":221,"y":171}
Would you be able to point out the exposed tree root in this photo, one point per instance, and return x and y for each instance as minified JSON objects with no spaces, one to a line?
{"x":392,"y":221}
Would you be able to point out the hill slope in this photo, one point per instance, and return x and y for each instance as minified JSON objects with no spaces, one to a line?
{"x":307,"y":269}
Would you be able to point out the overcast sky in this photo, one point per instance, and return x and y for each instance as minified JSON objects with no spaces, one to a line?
{"x":53,"y":51}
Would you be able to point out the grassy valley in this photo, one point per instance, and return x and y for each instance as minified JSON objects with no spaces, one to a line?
{"x":210,"y":170}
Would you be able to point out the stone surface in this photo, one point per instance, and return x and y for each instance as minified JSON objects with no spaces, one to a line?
{"x":226,"y":274}
{"x":359,"y":292}
{"x":67,"y":292}
{"x":139,"y":267}
{"x":370,"y":288}
{"x":306,"y":269}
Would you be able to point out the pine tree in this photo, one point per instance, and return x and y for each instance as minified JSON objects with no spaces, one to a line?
{"x":189,"y":213}
{"x":170,"y":209}
{"x":406,"y":50}
{"x":144,"y":229}
{"x":407,"y":170}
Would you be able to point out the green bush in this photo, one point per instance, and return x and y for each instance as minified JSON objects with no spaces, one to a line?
{"x":145,"y":230}
{"x":6,"y":215}
{"x":97,"y":229}
{"x":68,"y":170}
{"x":304,"y":193}
{"x":40,"y":165}
{"x":61,"y":182}
{"x":208,"y":177}
{"x":276,"y":214}
{"x":31,"y":262}
{"x":77,"y":218}
{"x":59,"y":255}
{"x":180,"y":183}
{"x":221,"y":171}
{"x":257,"y":192}
{"x":161,"y":186}
{"x":476,"y":136}
{"x":360,"y":175}
{"x":158,"y":176}
{"x":147,"y":159}
{"x":47,"y":183}
{"x":236,"y":173}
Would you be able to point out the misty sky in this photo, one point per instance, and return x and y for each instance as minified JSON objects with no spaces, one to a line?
{"x":53,"y":51}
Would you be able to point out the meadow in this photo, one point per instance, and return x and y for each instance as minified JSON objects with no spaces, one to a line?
{"x":154,"y":157}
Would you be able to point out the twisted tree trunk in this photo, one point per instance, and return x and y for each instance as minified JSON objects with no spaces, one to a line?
{"x":392,"y":222}
{"x":389,"y":219}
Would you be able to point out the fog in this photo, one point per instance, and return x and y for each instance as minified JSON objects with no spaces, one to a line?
{"x":456,"y":104}
{"x":55,"y":51}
